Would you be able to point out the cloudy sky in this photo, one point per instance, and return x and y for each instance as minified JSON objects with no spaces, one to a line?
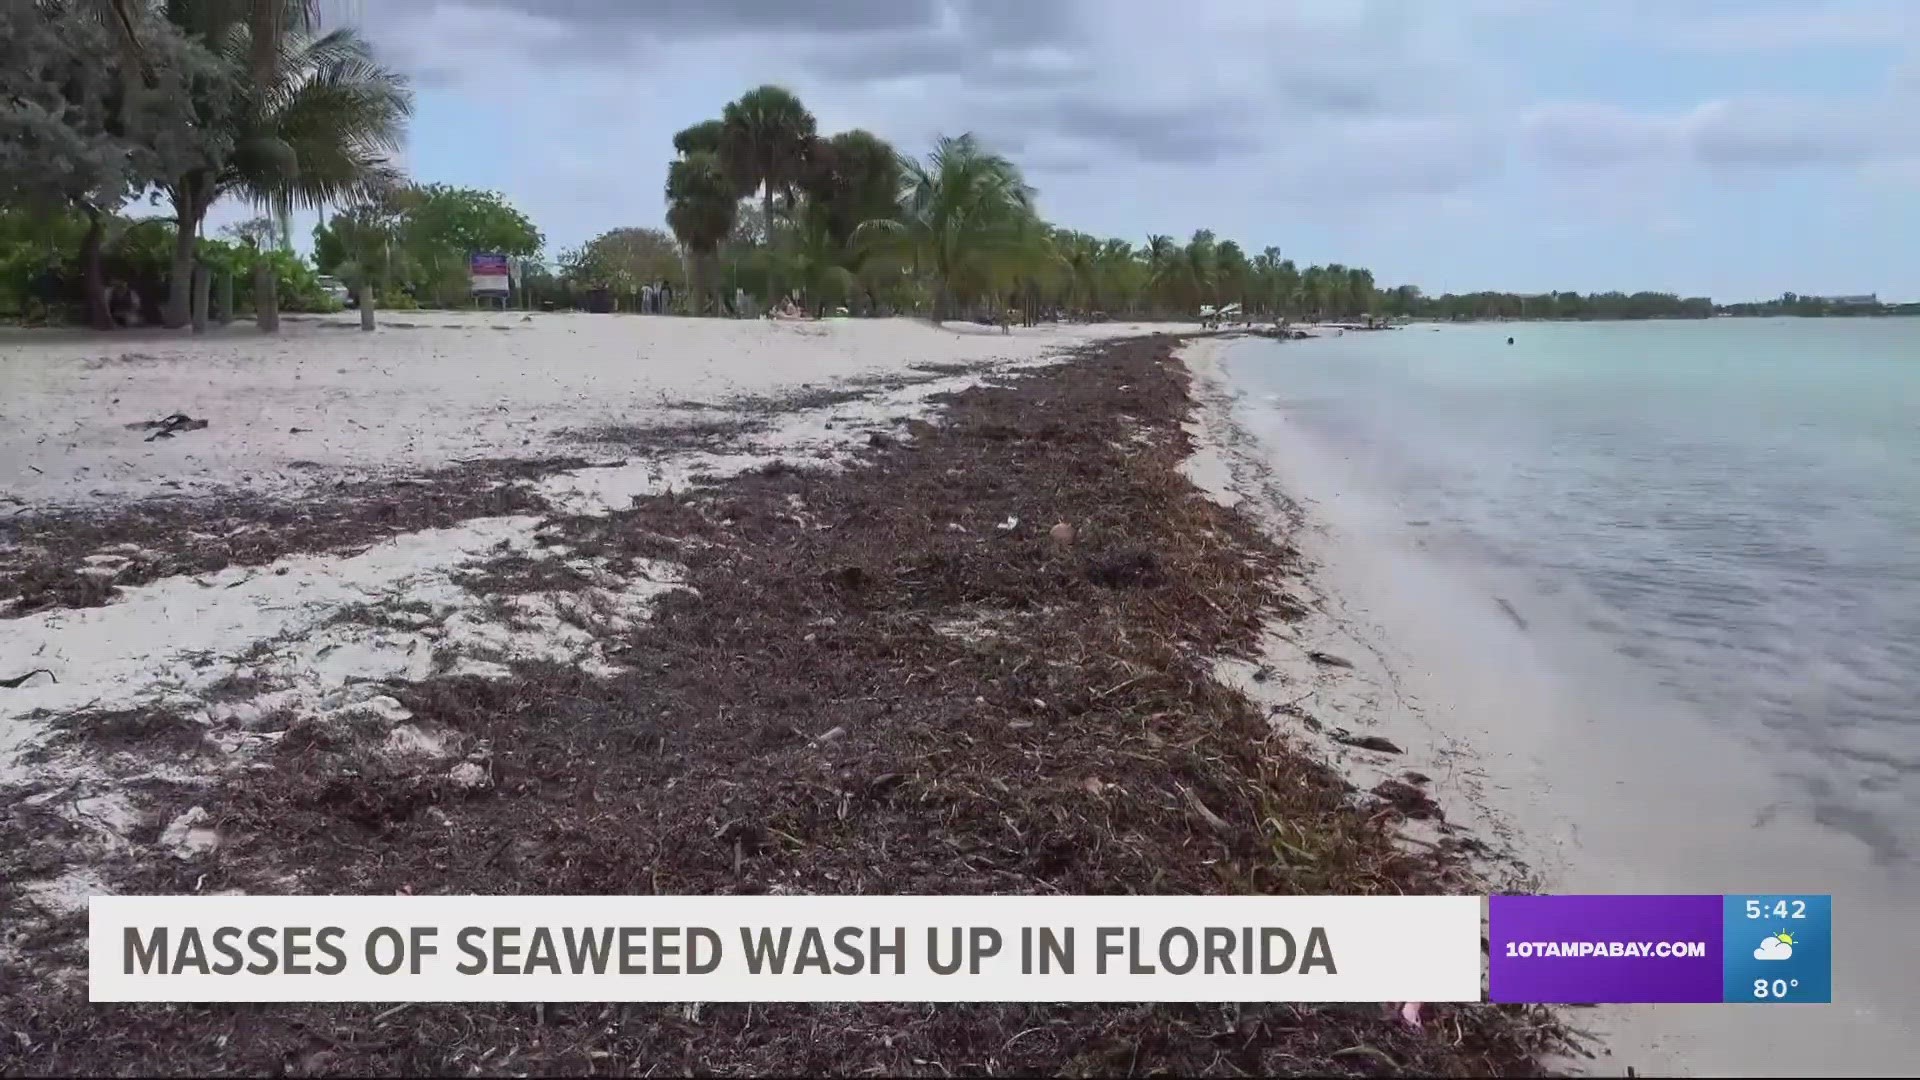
{"x":1737,"y":149}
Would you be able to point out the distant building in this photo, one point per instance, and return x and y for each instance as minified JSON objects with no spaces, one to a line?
{"x":1869,"y":300}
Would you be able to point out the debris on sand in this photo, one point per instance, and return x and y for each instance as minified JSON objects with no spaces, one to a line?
{"x":1407,"y":799}
{"x":884,"y":705}
{"x":190,"y":835}
{"x":168,"y":427}
{"x":1124,"y":569}
{"x":1366,"y":742}
{"x":18,"y":681}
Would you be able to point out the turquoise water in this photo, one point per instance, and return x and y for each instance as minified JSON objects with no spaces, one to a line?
{"x":1731,"y":505}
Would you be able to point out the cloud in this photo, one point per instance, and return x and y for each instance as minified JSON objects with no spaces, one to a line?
{"x":724,"y":16}
{"x":1744,"y":134}
{"x":1161,"y":133}
{"x":1773,"y":949}
{"x":1265,"y":121}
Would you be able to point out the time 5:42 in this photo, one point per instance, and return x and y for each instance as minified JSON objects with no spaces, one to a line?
{"x":1779,"y":909}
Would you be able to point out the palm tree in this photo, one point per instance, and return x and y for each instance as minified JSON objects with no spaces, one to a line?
{"x":857,"y":176}
{"x":1197,"y":268}
{"x":763,"y":139}
{"x":966,"y":214}
{"x":1360,"y":291}
{"x":1163,"y":257}
{"x":700,"y":209}
{"x":316,"y":124}
{"x":1231,"y":265}
{"x":1314,"y":292}
{"x":1286,"y":279}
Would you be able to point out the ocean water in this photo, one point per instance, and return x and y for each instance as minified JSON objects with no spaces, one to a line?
{"x":1731,"y":507}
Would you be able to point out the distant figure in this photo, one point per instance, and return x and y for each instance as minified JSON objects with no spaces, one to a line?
{"x":739,"y":301}
{"x":1509,"y":341}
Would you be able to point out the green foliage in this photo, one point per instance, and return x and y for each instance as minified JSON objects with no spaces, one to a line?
{"x":708,"y":135}
{"x":39,"y":265}
{"x":700,"y":211}
{"x":623,"y":260}
{"x":369,"y":236}
{"x":328,"y":249}
{"x":302,"y":118}
{"x":427,"y":238}
{"x":764,"y":138}
{"x":854,"y":176}
{"x":965,"y":215}
{"x":78,"y":131}
{"x":467,"y":220}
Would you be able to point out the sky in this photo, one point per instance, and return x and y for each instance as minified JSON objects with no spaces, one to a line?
{"x":1737,"y":150}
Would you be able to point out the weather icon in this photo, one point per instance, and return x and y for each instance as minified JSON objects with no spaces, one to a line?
{"x":1775,"y":947}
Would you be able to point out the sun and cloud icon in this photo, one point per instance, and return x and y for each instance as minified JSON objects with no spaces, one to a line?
{"x":1775,"y":947}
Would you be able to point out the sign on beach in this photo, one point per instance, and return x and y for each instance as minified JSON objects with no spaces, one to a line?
{"x":491,"y":275}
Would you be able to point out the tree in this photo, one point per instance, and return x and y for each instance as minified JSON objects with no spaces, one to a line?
{"x":1195,"y":267}
{"x":444,"y":226}
{"x":328,"y":250}
{"x":370,"y":233}
{"x":622,"y":260}
{"x":82,"y":134}
{"x":1163,"y":257}
{"x":763,"y":142}
{"x":1233,"y":273}
{"x":700,"y":208}
{"x":708,"y":135}
{"x":962,"y":212}
{"x":855,"y":177}
{"x":313,"y":123}
{"x":1359,"y":291}
{"x":259,"y":232}
{"x":469,"y":220}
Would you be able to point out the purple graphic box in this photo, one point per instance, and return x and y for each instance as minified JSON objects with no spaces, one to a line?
{"x":1595,"y":949}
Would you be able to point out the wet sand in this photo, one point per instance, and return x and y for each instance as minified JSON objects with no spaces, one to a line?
{"x":1582,"y":782}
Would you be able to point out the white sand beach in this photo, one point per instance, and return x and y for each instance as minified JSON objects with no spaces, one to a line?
{"x":299,"y":409}
{"x":240,"y":649}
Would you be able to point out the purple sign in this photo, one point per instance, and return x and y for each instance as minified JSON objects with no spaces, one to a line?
{"x":490,"y":274}
{"x":1594,"y":949}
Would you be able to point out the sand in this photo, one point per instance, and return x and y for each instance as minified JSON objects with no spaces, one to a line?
{"x":1538,"y":757}
{"x":245,"y":651}
{"x":320,"y":400}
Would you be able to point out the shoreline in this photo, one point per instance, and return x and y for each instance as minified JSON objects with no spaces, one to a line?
{"x":879,"y":672}
{"x":1573,"y":767}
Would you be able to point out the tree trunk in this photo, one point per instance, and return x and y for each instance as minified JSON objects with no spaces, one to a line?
{"x":99,"y":312}
{"x":366,"y":306}
{"x":187,"y":214}
{"x":774,"y":295}
{"x":202,"y":295}
{"x":266,"y":297}
{"x":226,"y":297}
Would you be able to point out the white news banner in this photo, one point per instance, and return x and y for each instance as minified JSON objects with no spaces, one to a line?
{"x":784,"y":948}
